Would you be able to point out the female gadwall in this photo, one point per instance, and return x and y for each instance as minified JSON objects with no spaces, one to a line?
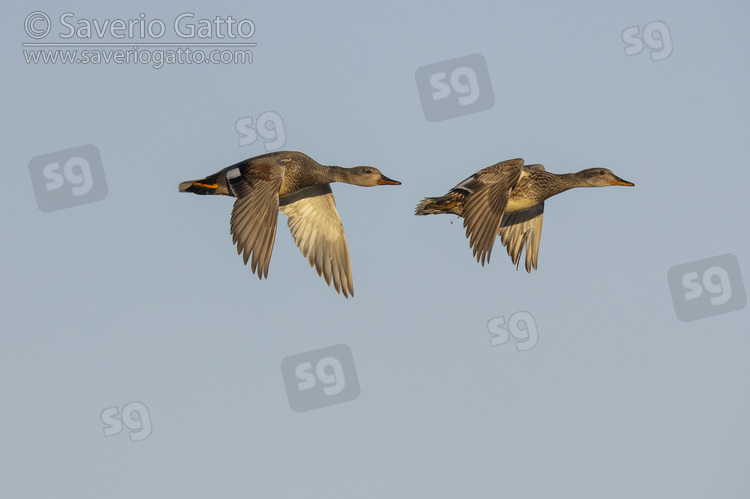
{"x":298,"y":186}
{"x":507,"y":199}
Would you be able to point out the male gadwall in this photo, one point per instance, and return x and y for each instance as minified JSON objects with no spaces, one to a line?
{"x":298,"y":186}
{"x":507,"y":200}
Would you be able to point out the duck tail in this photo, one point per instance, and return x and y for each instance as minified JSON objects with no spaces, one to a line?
{"x":208,"y":185}
{"x":450,"y":203}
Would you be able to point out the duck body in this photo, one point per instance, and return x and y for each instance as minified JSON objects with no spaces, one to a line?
{"x":522,"y":197}
{"x":299,"y":187}
{"x":298,"y":171}
{"x":507,"y":200}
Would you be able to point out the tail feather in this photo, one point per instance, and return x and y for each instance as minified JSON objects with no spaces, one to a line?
{"x":450,"y":203}
{"x":209,"y":185}
{"x":185,"y":186}
{"x":425,"y":207}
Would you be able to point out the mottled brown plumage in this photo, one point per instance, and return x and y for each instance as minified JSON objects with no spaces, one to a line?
{"x":507,"y":200}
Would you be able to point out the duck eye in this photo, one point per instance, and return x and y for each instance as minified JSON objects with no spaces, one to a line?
{"x":368,"y":171}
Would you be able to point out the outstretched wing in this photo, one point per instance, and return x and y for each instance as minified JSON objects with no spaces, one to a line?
{"x":256,"y":185}
{"x":487,"y":196}
{"x":319,"y":234}
{"x":523,"y":228}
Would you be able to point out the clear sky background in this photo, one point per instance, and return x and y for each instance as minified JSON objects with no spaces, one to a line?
{"x":141,"y":298}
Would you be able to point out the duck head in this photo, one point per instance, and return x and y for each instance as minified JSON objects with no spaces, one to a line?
{"x":368,"y":176}
{"x":600,"y":177}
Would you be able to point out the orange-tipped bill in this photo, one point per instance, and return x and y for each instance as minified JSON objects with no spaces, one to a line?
{"x":386,"y":181}
{"x":619,"y":181}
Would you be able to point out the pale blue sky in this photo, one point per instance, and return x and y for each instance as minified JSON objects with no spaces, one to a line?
{"x":140,"y":297}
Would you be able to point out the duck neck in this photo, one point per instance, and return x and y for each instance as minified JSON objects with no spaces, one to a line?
{"x":338,"y":174}
{"x":561,"y":182}
{"x":540,"y":185}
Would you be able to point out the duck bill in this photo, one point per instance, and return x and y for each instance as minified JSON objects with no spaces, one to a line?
{"x":619,"y":181}
{"x":386,"y":181}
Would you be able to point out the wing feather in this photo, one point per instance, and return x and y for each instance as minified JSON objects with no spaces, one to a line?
{"x":523,"y":228}
{"x":488,"y":193}
{"x":256,"y":186}
{"x":317,"y":230}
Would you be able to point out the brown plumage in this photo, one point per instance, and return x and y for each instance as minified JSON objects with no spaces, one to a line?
{"x":507,"y":200}
{"x":298,"y":186}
